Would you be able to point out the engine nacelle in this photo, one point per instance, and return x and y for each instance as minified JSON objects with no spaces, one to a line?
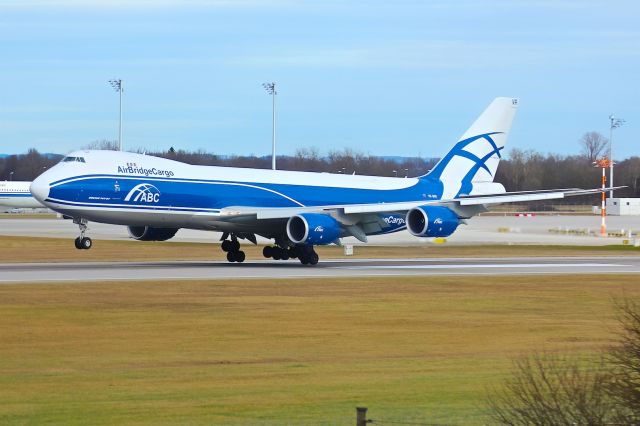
{"x":313,"y":229}
{"x":147,"y":233}
{"x":432,"y":221}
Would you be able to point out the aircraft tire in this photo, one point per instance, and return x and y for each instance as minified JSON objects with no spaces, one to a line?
{"x":235,"y":245}
{"x":313,"y":258}
{"x":267,"y":251}
{"x":226,"y":246}
{"x":231,"y":256}
{"x":86,"y":243}
{"x":284,"y":254}
{"x":240,"y":256}
{"x":77,"y":243}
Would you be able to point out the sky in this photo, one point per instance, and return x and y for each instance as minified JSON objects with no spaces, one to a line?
{"x":401,"y":77}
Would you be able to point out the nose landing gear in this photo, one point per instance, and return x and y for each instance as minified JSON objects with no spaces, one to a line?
{"x":82,"y":242}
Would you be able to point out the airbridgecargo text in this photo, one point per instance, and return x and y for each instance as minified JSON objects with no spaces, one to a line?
{"x":394,"y":220}
{"x":146,"y":172}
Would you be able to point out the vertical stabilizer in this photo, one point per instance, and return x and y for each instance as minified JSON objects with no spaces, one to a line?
{"x":475,"y":157}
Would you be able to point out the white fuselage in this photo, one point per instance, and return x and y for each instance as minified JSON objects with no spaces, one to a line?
{"x":16,"y":194}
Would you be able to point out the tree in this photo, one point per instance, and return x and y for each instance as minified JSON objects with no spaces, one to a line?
{"x":624,"y":358}
{"x":593,"y":144}
{"x":103,"y":144}
{"x":549,"y":390}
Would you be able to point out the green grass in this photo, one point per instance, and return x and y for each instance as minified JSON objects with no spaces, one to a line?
{"x":277,"y":352}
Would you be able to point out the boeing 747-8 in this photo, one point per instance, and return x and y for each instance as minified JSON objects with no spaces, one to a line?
{"x":155,"y":197}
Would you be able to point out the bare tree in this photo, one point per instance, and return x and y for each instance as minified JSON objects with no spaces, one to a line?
{"x":103,"y":144}
{"x":625,"y":361}
{"x":592,"y":145}
{"x":550,"y":390}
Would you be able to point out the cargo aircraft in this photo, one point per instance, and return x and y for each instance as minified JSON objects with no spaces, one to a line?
{"x":155,"y":197}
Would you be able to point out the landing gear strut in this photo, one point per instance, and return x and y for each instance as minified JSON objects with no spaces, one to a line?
{"x":306,"y":254}
{"x":232,"y":248}
{"x":82,"y":242}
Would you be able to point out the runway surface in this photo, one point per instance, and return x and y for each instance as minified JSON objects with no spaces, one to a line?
{"x":161,"y":271}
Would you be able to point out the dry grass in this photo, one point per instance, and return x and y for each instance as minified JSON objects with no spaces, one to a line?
{"x":34,"y":249}
{"x":266,"y":352}
{"x":27,"y":216}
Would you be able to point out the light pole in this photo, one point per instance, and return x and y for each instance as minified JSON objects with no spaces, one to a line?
{"x":271,"y":89}
{"x":615,"y":123}
{"x":11,"y":176}
{"x":117,"y":86}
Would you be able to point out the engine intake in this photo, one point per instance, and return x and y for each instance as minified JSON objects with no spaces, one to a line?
{"x":432,"y":221}
{"x":313,"y":229}
{"x":147,"y":233}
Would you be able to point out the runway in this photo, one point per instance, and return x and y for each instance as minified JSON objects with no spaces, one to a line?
{"x":192,"y":270}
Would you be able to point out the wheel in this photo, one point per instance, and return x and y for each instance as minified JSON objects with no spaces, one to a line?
{"x":276,"y":254}
{"x":77,"y":243}
{"x":86,"y":243}
{"x":240,"y":256}
{"x":267,"y":251}
{"x":235,"y":245}
{"x":313,"y":258}
{"x":284,"y":254}
{"x":292,"y":253}
{"x":231,"y":256}
{"x":226,"y":246}
{"x":303,"y":259}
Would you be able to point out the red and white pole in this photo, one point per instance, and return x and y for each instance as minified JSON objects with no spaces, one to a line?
{"x":603,"y":163}
{"x":603,"y":208}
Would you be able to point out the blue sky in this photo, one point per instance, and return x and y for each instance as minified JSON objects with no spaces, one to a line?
{"x":382,"y":77}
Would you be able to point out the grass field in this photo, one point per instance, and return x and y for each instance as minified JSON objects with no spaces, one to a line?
{"x":286,"y":352}
{"x":34,"y":249}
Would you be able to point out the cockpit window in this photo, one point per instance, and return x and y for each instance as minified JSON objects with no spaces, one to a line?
{"x":70,"y":159}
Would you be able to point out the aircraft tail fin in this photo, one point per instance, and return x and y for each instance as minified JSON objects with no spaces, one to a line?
{"x":475,"y":157}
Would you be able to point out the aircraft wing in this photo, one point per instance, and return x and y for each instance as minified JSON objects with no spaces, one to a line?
{"x":354,"y":209}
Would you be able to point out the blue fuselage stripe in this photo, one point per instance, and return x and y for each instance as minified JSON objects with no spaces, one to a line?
{"x":213,"y":195}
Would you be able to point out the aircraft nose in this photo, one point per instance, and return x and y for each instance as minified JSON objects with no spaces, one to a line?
{"x":40,"y":188}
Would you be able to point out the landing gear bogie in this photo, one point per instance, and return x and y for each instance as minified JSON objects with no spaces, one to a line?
{"x":232,"y":248}
{"x":306,"y":254}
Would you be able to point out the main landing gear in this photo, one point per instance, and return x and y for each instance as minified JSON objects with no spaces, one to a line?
{"x":82,"y":242}
{"x":232,"y":247}
{"x":306,"y":254}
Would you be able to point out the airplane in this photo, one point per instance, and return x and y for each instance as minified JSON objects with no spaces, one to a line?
{"x":16,"y":194}
{"x":155,"y":197}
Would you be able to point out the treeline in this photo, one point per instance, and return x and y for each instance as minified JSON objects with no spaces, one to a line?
{"x":519,"y":171}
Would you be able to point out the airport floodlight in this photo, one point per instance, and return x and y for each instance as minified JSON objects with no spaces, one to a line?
{"x":271,"y":89}
{"x":117,"y":86}
{"x":614,"y":124}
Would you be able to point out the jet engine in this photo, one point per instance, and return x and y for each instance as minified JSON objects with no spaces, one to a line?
{"x":313,"y":229}
{"x":432,"y":221}
{"x":147,"y":233}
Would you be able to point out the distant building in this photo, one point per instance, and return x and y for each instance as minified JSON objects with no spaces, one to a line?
{"x":623,"y":206}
